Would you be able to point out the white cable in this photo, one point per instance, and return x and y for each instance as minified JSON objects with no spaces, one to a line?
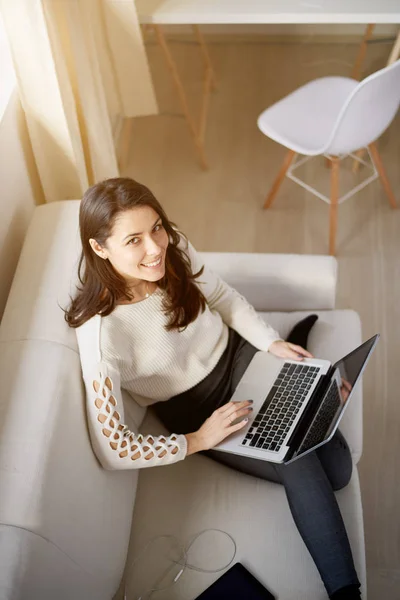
{"x":148,"y":593}
{"x":46,"y":539}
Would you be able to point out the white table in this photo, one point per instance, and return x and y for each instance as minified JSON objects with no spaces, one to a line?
{"x":155,"y":13}
{"x":202,"y":12}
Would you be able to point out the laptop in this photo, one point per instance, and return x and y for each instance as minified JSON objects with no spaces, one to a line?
{"x":297,"y":405}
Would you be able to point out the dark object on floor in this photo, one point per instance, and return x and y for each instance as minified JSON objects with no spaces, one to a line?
{"x":236,"y":584}
{"x":350,"y":592}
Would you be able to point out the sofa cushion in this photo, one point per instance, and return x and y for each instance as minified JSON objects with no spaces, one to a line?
{"x":281,"y":282}
{"x":197,"y":494}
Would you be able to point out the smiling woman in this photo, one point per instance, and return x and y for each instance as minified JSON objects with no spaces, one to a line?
{"x":129,"y":249}
{"x":153,"y":319}
{"x":138,"y":257}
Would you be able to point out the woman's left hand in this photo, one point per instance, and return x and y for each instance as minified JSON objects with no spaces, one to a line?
{"x":287,"y":350}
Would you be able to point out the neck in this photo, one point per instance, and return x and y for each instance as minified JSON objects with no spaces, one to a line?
{"x":140,"y":291}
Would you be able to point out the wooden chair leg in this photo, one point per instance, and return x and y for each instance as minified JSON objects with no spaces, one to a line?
{"x":356,"y":72}
{"x":206,"y":55}
{"x":382,"y":174}
{"x":356,"y":163}
{"x":182,"y":95}
{"x":280,"y":177}
{"x":333,"y":205}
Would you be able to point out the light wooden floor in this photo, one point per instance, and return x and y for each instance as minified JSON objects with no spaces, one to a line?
{"x":221,"y":210}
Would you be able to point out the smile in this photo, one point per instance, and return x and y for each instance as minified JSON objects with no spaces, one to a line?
{"x":151,"y":265}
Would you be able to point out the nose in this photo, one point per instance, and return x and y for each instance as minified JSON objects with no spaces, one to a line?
{"x":151,"y":247}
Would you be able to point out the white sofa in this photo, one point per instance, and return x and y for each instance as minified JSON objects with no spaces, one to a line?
{"x":72,"y":522}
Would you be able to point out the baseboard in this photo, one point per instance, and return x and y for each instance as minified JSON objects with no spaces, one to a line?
{"x":268,"y":38}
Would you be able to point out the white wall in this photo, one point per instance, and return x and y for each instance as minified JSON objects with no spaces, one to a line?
{"x":20,"y":191}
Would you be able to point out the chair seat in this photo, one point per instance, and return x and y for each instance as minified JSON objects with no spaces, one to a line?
{"x":304,"y":120}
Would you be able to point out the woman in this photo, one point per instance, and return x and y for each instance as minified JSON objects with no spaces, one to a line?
{"x":153,"y":319}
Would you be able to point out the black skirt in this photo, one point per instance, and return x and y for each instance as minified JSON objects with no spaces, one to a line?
{"x":187,"y":412}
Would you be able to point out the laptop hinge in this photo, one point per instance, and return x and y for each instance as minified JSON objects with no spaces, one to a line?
{"x":306,"y":418}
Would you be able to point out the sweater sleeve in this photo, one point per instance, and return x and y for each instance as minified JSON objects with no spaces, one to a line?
{"x":114,"y":444}
{"x":234,"y":309}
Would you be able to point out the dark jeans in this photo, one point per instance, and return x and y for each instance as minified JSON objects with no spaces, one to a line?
{"x":309,"y":481}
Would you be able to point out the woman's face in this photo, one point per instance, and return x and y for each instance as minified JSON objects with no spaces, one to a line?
{"x":137,"y":245}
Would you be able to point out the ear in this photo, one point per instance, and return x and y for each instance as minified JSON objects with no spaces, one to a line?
{"x":97,"y":249}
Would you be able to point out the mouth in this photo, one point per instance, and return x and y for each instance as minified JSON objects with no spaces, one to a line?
{"x":153,"y":265}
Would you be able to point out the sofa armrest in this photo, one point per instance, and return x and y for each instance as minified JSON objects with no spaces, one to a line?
{"x":283,"y":282}
{"x":32,"y":566}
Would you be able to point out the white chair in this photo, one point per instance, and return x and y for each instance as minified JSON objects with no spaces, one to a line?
{"x":334,"y":117}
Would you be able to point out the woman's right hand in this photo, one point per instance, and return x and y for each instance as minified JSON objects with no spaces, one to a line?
{"x":217,"y":427}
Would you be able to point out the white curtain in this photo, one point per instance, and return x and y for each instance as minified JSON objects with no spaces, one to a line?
{"x":80,"y":66}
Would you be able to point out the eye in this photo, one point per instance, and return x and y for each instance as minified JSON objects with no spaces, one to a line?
{"x":134,"y":240}
{"x":158,"y":227}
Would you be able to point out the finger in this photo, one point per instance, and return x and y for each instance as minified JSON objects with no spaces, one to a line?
{"x":292,"y":354}
{"x":244,"y":412}
{"x":239,"y":425}
{"x":234,"y":405}
{"x":229,"y":406}
{"x":346,"y":385}
{"x":230,"y":417}
{"x":300,"y":350}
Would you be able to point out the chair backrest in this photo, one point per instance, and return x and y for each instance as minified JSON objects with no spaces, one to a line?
{"x":368,"y":111}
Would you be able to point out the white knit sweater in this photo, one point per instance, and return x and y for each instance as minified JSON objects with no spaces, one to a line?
{"x":130,"y":348}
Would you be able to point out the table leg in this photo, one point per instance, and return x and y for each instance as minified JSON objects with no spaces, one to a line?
{"x":395,"y":53}
{"x":355,"y":74}
{"x":181,"y":94}
{"x":206,"y":55}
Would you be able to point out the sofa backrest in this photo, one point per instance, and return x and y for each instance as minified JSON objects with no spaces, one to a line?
{"x":46,"y":278}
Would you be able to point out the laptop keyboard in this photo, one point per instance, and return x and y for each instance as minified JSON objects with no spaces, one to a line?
{"x":276,"y":416}
{"x":323,"y":419}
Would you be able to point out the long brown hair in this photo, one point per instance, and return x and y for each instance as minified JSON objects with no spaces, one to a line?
{"x":101,"y":286}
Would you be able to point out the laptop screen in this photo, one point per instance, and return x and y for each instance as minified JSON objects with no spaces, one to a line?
{"x":350,"y":368}
{"x":352,"y":365}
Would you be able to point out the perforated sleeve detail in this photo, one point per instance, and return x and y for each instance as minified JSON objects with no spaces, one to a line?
{"x":120,"y":447}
